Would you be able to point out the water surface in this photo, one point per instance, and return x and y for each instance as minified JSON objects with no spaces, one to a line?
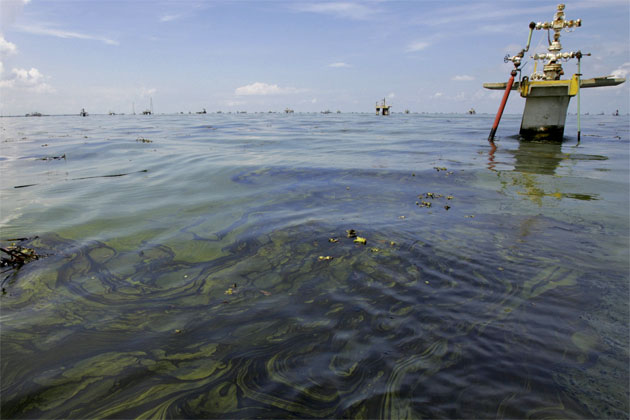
{"x":200,"y":266}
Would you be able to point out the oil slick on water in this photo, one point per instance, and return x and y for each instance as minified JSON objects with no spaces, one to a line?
{"x":519,"y":311}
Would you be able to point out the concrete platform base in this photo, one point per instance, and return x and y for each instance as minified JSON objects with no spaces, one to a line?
{"x":544,"y":116}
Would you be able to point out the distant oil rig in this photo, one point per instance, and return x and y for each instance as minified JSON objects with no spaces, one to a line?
{"x":382,"y":108}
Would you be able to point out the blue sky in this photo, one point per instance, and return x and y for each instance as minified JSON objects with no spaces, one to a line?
{"x":60,"y":56}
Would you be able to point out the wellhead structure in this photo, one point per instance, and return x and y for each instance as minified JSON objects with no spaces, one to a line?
{"x":546,"y":94}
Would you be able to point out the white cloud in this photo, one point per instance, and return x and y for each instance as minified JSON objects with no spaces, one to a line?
{"x":31,"y":80}
{"x":259,"y":88}
{"x":463,"y":12}
{"x":495,"y":28}
{"x":622,"y":71}
{"x":169,"y":18}
{"x":6,"y":47}
{"x":60,"y":33}
{"x":144,"y":92}
{"x":1,"y":68}
{"x":339,"y":65}
{"x":417,"y":46}
{"x":392,"y":95}
{"x":463,"y":78}
{"x":10,"y":10}
{"x":356,"y":11}
{"x":436,"y":95}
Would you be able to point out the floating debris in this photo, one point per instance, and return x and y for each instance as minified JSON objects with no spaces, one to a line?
{"x":229,"y":291}
{"x":143,"y":140}
{"x":333,"y":240}
{"x":351,"y":233}
{"x":14,"y":256}
{"x":325,"y":258}
{"x":440,"y":168}
{"x":54,"y":157}
{"x":374,"y":250}
{"x":17,"y":255}
{"x":264,"y":292}
{"x":360,"y":240}
{"x":431,"y":196}
{"x":88,"y":177}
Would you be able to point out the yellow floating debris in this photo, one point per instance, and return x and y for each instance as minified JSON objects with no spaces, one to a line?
{"x":449,"y":197}
{"x":374,"y":250}
{"x":333,"y":240}
{"x":351,"y":233}
{"x":360,"y":240}
{"x":325,"y":258}
{"x":229,"y":291}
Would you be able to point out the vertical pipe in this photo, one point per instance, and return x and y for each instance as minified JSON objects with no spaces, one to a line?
{"x":502,"y":106}
{"x":579,"y":74}
{"x":532,"y":26}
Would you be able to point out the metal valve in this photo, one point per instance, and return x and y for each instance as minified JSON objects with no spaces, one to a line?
{"x":516,"y":59}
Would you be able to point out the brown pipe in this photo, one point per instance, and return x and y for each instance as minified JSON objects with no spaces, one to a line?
{"x":502,"y":106}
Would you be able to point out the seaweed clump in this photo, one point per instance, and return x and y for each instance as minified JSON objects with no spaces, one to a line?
{"x":14,"y":256}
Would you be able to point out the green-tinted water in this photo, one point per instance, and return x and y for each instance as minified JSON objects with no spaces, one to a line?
{"x":196,"y":282}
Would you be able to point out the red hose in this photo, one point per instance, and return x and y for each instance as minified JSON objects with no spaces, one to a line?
{"x":502,"y":106}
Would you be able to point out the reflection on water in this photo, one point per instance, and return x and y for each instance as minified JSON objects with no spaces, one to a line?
{"x":534,"y":162}
{"x":208,"y":297}
{"x":538,"y":158}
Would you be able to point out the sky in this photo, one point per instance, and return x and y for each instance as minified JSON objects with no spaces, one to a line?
{"x":58,"y":56}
